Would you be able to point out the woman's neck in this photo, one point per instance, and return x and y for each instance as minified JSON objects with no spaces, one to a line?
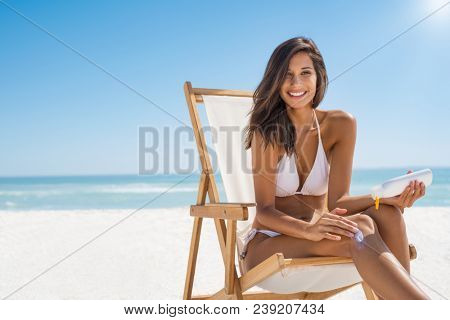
{"x":302,"y":118}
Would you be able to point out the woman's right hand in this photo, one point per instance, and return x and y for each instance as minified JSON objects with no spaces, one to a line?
{"x":331,"y":226}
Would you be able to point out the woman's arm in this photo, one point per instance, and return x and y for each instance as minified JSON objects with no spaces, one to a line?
{"x":278,"y":221}
{"x":343,"y":127}
{"x":355,"y":204}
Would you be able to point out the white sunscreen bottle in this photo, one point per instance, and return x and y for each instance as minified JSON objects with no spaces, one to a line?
{"x":395,"y":186}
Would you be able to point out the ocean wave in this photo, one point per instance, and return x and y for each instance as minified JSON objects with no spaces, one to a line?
{"x":146,"y":189}
{"x":36,"y":193}
{"x":111,"y":189}
{"x":10,"y":204}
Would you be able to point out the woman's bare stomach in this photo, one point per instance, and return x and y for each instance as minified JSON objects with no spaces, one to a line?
{"x":301,"y":207}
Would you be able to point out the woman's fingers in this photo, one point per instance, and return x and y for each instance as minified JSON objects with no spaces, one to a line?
{"x":410,"y":197}
{"x":341,"y":224}
{"x":336,"y":217}
{"x":339,"y":231}
{"x":348,"y":221}
{"x":402,"y":198}
{"x":414,"y":191}
{"x":338,"y":211}
{"x":422,"y":191}
{"x":331,"y":236}
{"x":418,"y":191}
{"x":404,"y":194}
{"x":328,"y":226}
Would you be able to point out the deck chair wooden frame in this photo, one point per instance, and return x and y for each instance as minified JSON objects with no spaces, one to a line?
{"x":235,"y":287}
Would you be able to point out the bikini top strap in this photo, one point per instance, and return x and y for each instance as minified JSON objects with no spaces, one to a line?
{"x":317,"y":124}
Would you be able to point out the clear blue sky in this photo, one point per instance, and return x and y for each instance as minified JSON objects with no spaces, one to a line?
{"x":61,"y":115}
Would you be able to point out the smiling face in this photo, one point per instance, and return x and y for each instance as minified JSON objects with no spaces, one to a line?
{"x":299,"y":86}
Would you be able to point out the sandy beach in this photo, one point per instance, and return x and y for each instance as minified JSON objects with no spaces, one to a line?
{"x":145,"y":256}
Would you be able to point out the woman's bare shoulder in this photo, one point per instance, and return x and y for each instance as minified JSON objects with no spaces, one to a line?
{"x":334,"y":116}
{"x":337,"y":123}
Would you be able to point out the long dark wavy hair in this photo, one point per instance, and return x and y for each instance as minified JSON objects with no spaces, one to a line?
{"x":269,"y":113}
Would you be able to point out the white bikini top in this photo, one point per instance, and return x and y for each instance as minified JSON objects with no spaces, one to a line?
{"x":315,"y":184}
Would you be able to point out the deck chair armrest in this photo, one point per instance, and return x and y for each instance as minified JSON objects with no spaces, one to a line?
{"x":222,"y":210}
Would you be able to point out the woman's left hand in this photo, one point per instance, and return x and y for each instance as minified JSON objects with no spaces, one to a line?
{"x":412,"y":192}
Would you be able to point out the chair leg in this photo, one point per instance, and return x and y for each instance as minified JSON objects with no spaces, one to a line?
{"x":237,"y":288}
{"x":195,"y":240}
{"x":370,"y":294}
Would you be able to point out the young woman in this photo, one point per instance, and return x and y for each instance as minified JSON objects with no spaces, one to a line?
{"x":300,"y":154}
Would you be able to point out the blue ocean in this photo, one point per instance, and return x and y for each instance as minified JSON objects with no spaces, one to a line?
{"x":163,"y":191}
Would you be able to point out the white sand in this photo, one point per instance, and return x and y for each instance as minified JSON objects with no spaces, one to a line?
{"x":145,"y":257}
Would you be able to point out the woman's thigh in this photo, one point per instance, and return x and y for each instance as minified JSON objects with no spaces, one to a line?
{"x":263,"y":246}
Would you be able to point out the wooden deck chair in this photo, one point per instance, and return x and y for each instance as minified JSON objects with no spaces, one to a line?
{"x":279,"y":278}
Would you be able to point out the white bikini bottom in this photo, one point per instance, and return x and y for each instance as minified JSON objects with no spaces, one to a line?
{"x":252,"y":233}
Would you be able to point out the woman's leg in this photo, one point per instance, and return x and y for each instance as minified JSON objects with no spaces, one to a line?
{"x":392,"y":228}
{"x":373,"y":259}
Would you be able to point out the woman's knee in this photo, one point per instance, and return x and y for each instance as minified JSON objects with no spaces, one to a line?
{"x":387,"y":217}
{"x":366,"y":224}
{"x":343,"y":247}
{"x":394,"y":213}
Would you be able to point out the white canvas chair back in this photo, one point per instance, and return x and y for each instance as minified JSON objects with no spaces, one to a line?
{"x":228,"y":116}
